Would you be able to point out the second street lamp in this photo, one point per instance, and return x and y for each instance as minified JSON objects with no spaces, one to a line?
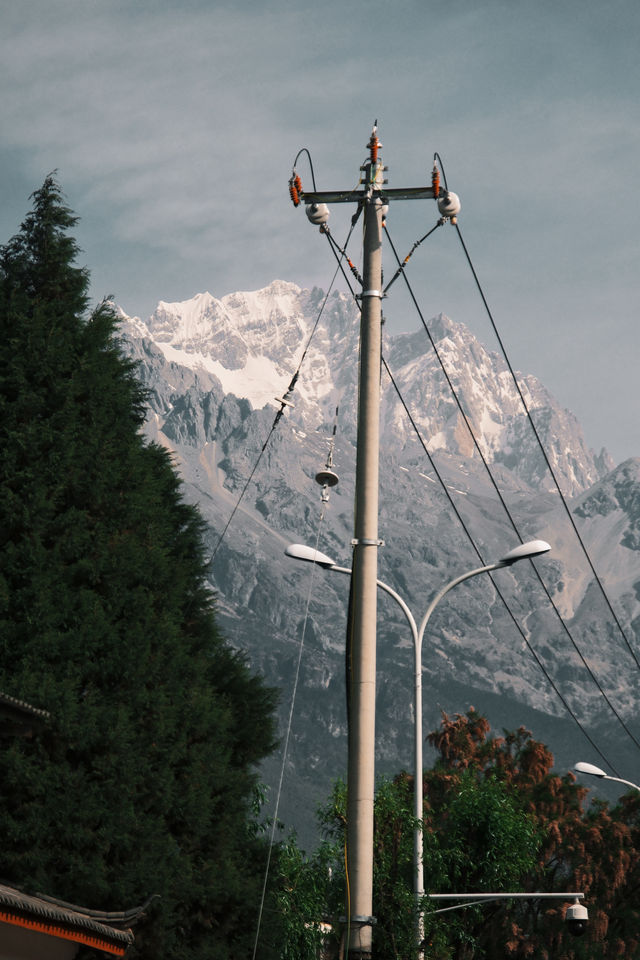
{"x":593,"y":771}
{"x":525,"y":551}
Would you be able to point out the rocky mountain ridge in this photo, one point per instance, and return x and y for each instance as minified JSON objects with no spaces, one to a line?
{"x":212,"y":368}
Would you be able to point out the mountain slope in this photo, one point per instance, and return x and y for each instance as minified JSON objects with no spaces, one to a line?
{"x":212,"y":368}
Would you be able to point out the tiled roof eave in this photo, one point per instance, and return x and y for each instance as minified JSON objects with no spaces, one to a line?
{"x":23,"y":707}
{"x":22,"y":910}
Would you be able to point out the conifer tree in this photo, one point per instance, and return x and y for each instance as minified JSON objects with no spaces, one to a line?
{"x":142,"y":781}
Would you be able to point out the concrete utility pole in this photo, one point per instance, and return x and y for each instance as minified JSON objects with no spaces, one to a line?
{"x":373,"y":198}
{"x":364,"y":592}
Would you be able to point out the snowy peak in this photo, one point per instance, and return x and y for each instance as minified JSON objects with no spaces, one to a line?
{"x":253,"y":342}
{"x":489,"y":408}
{"x":183,"y":322}
{"x":258,"y":321}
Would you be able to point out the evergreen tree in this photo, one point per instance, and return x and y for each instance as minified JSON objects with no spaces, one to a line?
{"x":142,"y":781}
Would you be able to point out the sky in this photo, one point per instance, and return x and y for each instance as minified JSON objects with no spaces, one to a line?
{"x":173,"y":128}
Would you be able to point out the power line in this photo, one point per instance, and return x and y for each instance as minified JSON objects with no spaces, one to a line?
{"x":285,"y":748}
{"x":400,"y":271}
{"x":284,"y":402}
{"x":505,"y":507}
{"x":474,"y":545}
{"x":544,"y":454}
{"x":513,"y":524}
{"x":483,"y":563}
{"x":535,"y":431}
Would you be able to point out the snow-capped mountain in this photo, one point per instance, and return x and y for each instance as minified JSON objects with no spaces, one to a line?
{"x":213,"y":368}
{"x":252,"y":342}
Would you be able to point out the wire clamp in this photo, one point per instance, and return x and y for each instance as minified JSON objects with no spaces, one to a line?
{"x":360,"y":920}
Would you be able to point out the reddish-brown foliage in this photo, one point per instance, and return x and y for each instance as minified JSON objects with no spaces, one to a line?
{"x":585,"y":847}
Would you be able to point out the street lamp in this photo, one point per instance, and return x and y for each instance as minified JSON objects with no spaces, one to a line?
{"x":593,"y":771}
{"x":525,"y":551}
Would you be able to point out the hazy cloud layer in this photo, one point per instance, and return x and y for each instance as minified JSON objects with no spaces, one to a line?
{"x":174,"y":127}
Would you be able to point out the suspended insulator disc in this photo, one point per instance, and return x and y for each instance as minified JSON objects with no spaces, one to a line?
{"x":327,"y":478}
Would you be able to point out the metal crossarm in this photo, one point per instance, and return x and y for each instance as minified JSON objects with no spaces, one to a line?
{"x":342,"y":196}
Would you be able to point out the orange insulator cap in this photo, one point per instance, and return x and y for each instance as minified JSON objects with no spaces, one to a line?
{"x":435,"y":182}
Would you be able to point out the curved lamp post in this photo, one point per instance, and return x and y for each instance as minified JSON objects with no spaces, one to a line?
{"x":525,"y":551}
{"x":593,"y":771}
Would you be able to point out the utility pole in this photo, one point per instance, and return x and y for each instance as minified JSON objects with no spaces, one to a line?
{"x":373,"y":198}
{"x":364,"y":587}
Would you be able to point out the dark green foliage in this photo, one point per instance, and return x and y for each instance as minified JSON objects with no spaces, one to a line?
{"x":496,"y":819}
{"x":478,"y":825}
{"x":305,"y":896}
{"x":142,"y":781}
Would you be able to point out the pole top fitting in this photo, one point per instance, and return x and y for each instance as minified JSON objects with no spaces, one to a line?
{"x":374,"y":144}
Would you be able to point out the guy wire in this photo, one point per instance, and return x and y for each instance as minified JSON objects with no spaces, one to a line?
{"x":277,"y":418}
{"x":285,"y":749}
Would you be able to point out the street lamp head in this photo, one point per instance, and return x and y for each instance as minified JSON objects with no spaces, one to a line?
{"x":299,"y":551}
{"x":533,"y":548}
{"x":597,"y":772}
{"x":589,"y":768}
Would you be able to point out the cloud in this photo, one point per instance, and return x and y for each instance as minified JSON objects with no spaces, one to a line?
{"x":174,"y":127}
{"x":178,"y":122}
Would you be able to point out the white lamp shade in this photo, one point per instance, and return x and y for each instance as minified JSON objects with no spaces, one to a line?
{"x":299,"y":551}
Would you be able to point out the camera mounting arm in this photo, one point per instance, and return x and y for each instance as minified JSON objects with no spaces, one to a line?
{"x":473,"y":899}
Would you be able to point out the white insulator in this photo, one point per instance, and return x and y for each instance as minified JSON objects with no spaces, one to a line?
{"x":327,"y":477}
{"x":317,"y":213}
{"x":449,"y":204}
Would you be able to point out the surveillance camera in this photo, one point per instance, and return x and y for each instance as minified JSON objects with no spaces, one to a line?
{"x":576,"y":919}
